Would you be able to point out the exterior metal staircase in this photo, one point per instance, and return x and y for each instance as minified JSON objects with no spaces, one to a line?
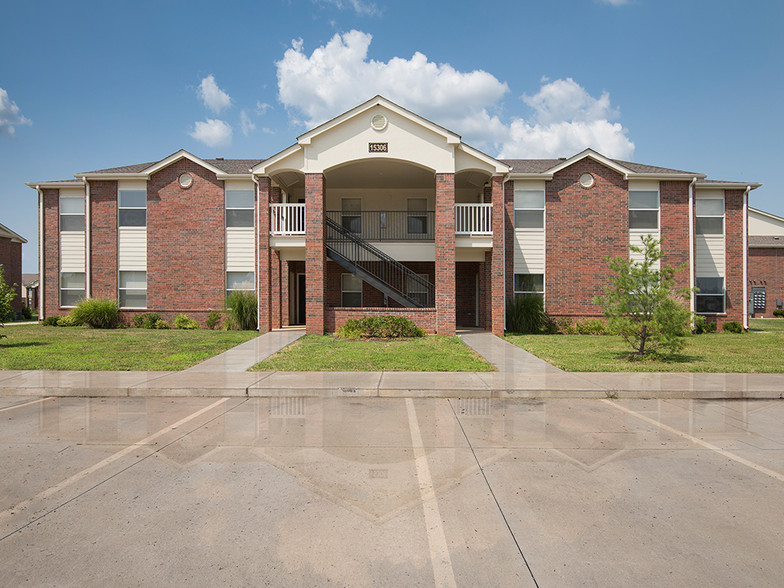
{"x":377,"y":268}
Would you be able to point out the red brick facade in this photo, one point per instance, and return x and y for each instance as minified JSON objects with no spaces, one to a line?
{"x":674,"y":217}
{"x":11,"y":260}
{"x":735,"y":248}
{"x":103,"y":239}
{"x":314,"y":253}
{"x":766,"y":269}
{"x":50,"y":286}
{"x":445,"y":253}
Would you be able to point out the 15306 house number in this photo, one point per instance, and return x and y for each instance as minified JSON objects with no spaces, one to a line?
{"x":378,"y":147}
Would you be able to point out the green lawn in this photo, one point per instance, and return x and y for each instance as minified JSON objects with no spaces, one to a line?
{"x":329,"y":354}
{"x":760,"y":350}
{"x":33,"y":347}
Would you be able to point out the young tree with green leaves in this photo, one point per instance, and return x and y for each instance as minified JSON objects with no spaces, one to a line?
{"x":7,"y":294}
{"x":642,"y":303}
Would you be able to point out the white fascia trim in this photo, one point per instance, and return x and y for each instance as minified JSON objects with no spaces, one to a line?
{"x":227,"y":176}
{"x":728,"y":185}
{"x":663,"y":177}
{"x":174,"y":157}
{"x":9,"y":234}
{"x":596,"y":156}
{"x":767,"y":214}
{"x":500,"y":168}
{"x":67,"y":184}
{"x":82,"y":177}
{"x":260,"y":169}
{"x":530,"y":176}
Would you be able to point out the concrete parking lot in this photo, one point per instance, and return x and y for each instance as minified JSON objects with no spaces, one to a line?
{"x":398,"y":491}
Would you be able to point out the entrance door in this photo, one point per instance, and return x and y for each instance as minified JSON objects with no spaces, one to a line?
{"x":300,"y":299}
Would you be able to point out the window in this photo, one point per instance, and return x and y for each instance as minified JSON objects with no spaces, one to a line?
{"x":71,"y":288}
{"x":710,"y":295}
{"x":239,"y":208}
{"x":133,"y":289}
{"x":240,"y":281}
{"x":709,"y":214}
{"x":526,"y":284}
{"x":529,"y":209}
{"x":417,"y":216}
{"x":643,"y":209}
{"x":350,"y":290}
{"x":132,"y":208}
{"x":71,"y":214}
{"x":351,"y":215}
{"x":416,"y":290}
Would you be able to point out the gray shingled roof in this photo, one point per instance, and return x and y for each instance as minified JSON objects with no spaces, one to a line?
{"x":765,"y":241}
{"x":537,"y":166}
{"x":229,"y":166}
{"x":123,"y":169}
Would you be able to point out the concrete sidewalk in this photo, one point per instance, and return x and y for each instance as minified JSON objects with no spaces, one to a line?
{"x":519,"y":375}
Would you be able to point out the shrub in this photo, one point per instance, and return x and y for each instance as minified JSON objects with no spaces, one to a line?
{"x":703,"y":325}
{"x":148,"y":320}
{"x":732,"y":327}
{"x":98,"y":313}
{"x":585,"y":327}
{"x":183,"y":321}
{"x":241,"y":307}
{"x":525,"y":314}
{"x":213,"y":319}
{"x":67,"y":321}
{"x":779,"y":312}
{"x":27,"y":313}
{"x":382,"y":327}
{"x":51,"y":321}
{"x":162,"y":324}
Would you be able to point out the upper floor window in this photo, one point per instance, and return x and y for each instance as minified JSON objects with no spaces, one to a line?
{"x":71,"y":214}
{"x":709,"y":214}
{"x":239,"y":208}
{"x":529,"y":209}
{"x":643,"y":209}
{"x":132,"y":208}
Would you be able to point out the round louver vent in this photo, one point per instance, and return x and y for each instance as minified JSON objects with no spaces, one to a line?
{"x":586,"y":180}
{"x":379,"y":122}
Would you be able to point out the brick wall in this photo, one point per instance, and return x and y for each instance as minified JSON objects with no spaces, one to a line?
{"x":103,"y":239}
{"x":336,"y":317}
{"x":445,"y":253}
{"x":584,"y":225}
{"x":766,"y":268}
{"x":185,"y":242}
{"x":51,"y":252}
{"x":263,"y":277}
{"x":735,"y":249}
{"x":675,"y":228}
{"x":11,"y":260}
{"x":314,"y":253}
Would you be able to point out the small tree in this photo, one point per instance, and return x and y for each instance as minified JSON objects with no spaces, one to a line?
{"x":642,"y":303}
{"x":7,"y":294}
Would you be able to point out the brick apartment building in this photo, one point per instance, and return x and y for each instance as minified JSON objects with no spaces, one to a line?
{"x":766,"y":262}
{"x":11,"y":260}
{"x":382,"y":211}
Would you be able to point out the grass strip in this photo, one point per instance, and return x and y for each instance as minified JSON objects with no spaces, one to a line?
{"x":436,"y":353}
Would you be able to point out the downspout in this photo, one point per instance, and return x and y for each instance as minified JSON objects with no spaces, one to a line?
{"x":692,"y":270}
{"x":256,"y":252}
{"x":40,"y":253}
{"x":503,"y":225}
{"x":87,"y":238}
{"x":746,"y":258}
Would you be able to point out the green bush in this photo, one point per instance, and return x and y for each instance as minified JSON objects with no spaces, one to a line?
{"x":67,"y":321}
{"x":525,"y":314}
{"x":779,"y":312}
{"x":27,"y":313}
{"x":586,"y":327}
{"x":242,"y":309}
{"x":381,"y":327}
{"x":162,"y":324}
{"x":213,"y":319}
{"x":183,"y":321}
{"x":147,"y":320}
{"x":732,"y":327}
{"x":98,"y":313}
{"x":703,"y":325}
{"x":51,"y":321}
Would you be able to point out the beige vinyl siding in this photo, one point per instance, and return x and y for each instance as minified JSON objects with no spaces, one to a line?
{"x":635,"y":238}
{"x":710,"y":259}
{"x":240,"y":249}
{"x":529,"y":247}
{"x":72,"y":252}
{"x":132,"y":248}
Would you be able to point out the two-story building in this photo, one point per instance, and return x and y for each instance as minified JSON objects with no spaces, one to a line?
{"x":382,"y":211}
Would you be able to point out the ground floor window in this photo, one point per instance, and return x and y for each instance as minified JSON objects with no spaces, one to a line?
{"x":416,"y":290}
{"x":133,"y":289}
{"x":529,"y":284}
{"x":710,"y":295}
{"x":71,"y":288}
{"x":350,"y":290}
{"x":240,"y":281}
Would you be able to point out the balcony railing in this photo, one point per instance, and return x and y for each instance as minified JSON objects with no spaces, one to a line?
{"x":473,"y":219}
{"x":287,"y":219}
{"x":387,"y":225}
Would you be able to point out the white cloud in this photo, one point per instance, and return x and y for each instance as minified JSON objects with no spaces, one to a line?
{"x":10,"y":117}
{"x":212,"y":132}
{"x":262,"y":107}
{"x":213,"y":97}
{"x":616,"y":2}
{"x":339,"y":75}
{"x":358,"y":6}
{"x":247,"y":124}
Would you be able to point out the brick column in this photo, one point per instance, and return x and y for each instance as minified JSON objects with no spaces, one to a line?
{"x":314,"y":254}
{"x":103,"y":239}
{"x":498,"y":259}
{"x":735,"y":249}
{"x":675,"y":228}
{"x":50,"y":249}
{"x":445,"y":254}
{"x":263,"y":278}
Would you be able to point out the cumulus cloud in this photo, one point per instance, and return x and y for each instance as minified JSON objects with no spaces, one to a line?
{"x":246,"y":123}
{"x":339,"y":75}
{"x":10,"y":117}
{"x":212,"y":132}
{"x":213,"y":97}
{"x":358,"y":6}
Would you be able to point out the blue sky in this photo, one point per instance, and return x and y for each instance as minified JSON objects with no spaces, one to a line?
{"x":688,"y":84}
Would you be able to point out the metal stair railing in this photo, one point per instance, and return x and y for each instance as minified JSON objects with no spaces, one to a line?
{"x":377,"y":268}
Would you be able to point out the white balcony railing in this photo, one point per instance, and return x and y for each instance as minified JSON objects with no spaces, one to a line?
{"x":473,"y":219}
{"x":287,"y":219}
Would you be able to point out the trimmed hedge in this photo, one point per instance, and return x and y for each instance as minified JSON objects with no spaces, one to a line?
{"x":381,"y":327}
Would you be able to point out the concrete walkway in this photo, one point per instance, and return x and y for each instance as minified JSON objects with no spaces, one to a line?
{"x":519,"y":375}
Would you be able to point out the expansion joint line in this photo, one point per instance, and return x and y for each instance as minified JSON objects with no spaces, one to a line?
{"x":490,"y":488}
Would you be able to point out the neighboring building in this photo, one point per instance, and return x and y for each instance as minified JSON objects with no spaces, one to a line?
{"x":382,"y":211}
{"x":30,"y":290}
{"x":11,"y":260}
{"x":766,"y":262}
